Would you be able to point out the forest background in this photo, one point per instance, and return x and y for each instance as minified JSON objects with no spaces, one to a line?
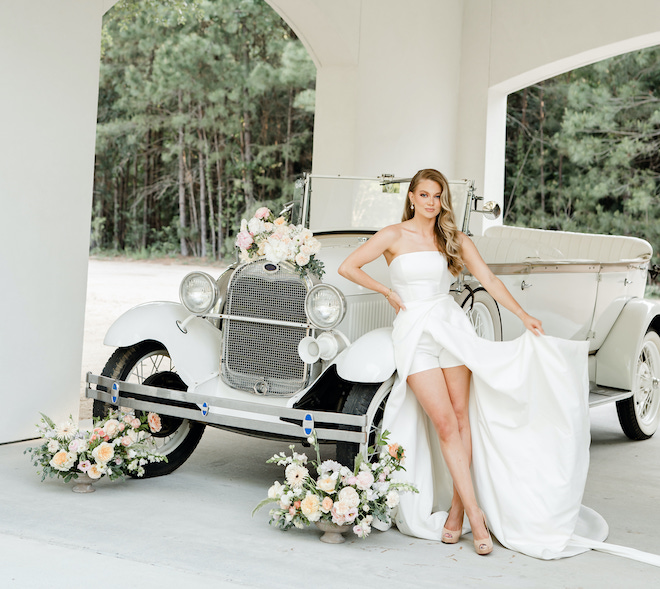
{"x":206,"y":111}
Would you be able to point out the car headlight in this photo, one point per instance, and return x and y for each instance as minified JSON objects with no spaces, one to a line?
{"x":325,"y":306}
{"x":198,"y":292}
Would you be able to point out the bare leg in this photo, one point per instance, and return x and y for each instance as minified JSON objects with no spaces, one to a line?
{"x":431,"y":391}
{"x":458,"y":385}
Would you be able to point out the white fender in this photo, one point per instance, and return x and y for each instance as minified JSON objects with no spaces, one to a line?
{"x":196,"y":353}
{"x":616,"y":360}
{"x":369,"y":358}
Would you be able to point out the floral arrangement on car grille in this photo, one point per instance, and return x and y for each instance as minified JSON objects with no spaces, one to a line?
{"x":337,"y":494}
{"x":117,"y":446}
{"x":278,"y":241}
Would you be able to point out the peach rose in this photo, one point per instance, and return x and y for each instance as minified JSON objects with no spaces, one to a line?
{"x":326,"y":504}
{"x":63,"y":460}
{"x":393,"y":450}
{"x":95,"y":471}
{"x":311,"y":507}
{"x":103,"y":452}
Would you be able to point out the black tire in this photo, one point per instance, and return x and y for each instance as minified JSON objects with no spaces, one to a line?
{"x":357,"y":402}
{"x":639,"y":415}
{"x":149,"y":363}
{"x":483,"y":313}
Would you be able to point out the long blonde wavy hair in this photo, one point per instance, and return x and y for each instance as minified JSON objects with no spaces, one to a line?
{"x":446,"y":232}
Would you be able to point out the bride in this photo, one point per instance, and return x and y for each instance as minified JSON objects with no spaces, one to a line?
{"x":518,"y":410}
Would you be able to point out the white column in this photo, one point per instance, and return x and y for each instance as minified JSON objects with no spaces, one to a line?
{"x":49,"y":64}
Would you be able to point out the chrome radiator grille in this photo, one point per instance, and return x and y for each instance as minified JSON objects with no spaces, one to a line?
{"x":260,"y":356}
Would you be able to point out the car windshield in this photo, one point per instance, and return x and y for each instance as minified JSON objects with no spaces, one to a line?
{"x":366,"y":204}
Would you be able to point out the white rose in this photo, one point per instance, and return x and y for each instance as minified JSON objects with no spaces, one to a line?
{"x":364,"y":480}
{"x":326,"y":484}
{"x":275,"y":250}
{"x":53,"y":446}
{"x":392,"y":499}
{"x":349,"y":496}
{"x":111,"y":427}
{"x":255,"y":226}
{"x":275,"y":491}
{"x":302,"y":259}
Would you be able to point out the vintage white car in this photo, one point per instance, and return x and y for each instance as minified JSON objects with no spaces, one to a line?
{"x":267,"y":352}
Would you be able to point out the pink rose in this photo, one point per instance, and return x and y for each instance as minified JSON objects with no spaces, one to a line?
{"x":262,"y":213}
{"x":153,"y":419}
{"x":244,"y":240}
{"x":126,"y":441}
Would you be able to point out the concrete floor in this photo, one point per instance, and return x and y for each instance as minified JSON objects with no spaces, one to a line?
{"x":193,"y":528}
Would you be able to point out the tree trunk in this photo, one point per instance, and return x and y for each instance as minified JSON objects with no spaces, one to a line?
{"x":542,"y":154}
{"x":220,"y":169}
{"x":194,"y":222}
{"x":247,"y":137}
{"x":115,"y":216}
{"x":146,"y":186}
{"x":202,"y":204}
{"x":182,"y":192}
{"x":289,"y":123}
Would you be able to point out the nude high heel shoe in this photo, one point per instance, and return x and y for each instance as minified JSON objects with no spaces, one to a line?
{"x":485,"y":546}
{"x":451,"y":536}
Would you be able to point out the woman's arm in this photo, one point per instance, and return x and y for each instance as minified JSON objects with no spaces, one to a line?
{"x":351,"y":267}
{"x":480,"y":270}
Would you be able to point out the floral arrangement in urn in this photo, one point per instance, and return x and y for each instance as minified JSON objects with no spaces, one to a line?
{"x":337,"y":494}
{"x":278,"y":241}
{"x":117,"y":446}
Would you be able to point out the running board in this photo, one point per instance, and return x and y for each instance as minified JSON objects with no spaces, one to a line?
{"x":604,"y":395}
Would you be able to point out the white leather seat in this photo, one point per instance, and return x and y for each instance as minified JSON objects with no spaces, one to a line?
{"x":503,"y":244}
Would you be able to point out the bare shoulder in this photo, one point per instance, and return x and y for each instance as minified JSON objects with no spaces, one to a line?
{"x":388,"y":235}
{"x":464,"y":240}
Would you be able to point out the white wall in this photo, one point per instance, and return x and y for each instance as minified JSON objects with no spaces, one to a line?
{"x":49,"y":64}
{"x":387,"y":82}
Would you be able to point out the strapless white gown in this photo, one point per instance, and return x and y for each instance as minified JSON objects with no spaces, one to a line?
{"x":529,"y":417}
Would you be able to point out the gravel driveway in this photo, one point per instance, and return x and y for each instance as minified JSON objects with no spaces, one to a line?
{"x":115,"y":286}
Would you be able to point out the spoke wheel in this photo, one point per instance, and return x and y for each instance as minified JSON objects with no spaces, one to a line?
{"x":149,"y":363}
{"x":484,"y":314}
{"x":639,"y":415}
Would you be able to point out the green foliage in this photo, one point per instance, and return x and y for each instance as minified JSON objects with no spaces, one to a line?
{"x":204,"y":111}
{"x":582,"y":150}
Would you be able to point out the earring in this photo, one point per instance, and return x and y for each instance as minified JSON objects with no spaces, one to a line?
{"x":412,"y":206}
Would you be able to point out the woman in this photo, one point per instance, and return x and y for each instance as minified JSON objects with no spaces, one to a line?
{"x":529,"y":409}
